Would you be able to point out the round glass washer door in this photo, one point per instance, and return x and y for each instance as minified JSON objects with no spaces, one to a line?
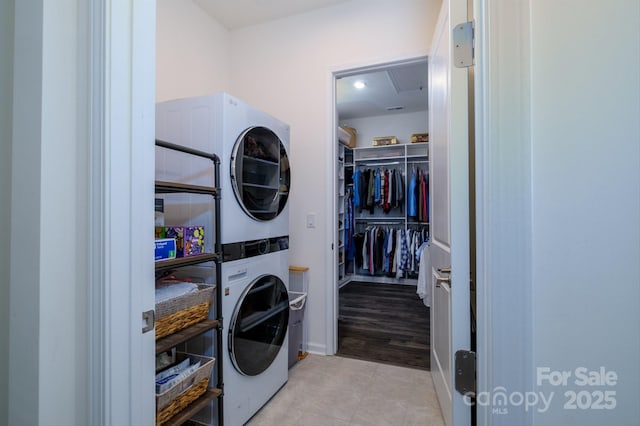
{"x":259,"y":325}
{"x":260,"y":173}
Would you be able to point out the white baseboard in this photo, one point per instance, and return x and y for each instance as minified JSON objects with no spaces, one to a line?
{"x":317,"y":349}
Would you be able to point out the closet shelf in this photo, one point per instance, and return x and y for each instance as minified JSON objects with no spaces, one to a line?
{"x":192,"y":409}
{"x":184,"y":335}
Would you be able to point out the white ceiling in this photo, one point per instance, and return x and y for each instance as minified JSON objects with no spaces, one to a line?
{"x":394,"y":89}
{"x":402,"y":86}
{"x":234,"y":14}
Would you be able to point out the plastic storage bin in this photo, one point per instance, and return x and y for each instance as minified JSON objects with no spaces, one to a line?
{"x":297,"y":303}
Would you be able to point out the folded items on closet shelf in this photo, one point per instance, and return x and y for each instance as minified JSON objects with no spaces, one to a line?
{"x":169,"y":377}
{"x":166,"y":292}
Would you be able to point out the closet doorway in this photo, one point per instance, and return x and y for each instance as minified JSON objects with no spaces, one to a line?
{"x":381,"y":213}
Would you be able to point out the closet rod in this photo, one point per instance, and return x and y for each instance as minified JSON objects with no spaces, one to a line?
{"x":381,"y":218}
{"x":387,"y":223}
{"x":417,"y":161}
{"x":379,"y":164}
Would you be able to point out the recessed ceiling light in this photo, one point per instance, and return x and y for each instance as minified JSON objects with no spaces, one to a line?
{"x":359,"y":84}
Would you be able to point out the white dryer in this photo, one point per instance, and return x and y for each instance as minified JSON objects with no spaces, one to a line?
{"x":253,"y":150}
{"x":255,"y":308}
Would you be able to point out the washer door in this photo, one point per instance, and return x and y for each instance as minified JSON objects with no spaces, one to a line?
{"x":260,"y":173}
{"x":259,"y":325}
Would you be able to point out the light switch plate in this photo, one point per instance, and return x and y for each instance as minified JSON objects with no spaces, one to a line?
{"x":311,"y":220}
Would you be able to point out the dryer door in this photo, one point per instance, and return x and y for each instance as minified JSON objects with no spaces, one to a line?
{"x":259,"y":325}
{"x":260,"y":173}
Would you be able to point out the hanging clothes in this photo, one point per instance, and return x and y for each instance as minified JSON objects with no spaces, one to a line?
{"x":378,"y":187}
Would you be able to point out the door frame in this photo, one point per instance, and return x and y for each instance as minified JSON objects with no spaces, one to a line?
{"x":332,"y":299}
{"x":502,"y":130}
{"x":121,"y":104}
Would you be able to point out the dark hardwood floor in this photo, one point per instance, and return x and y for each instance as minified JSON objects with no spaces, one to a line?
{"x":385,"y":323}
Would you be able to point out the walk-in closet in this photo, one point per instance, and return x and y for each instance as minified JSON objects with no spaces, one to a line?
{"x":382,"y":211}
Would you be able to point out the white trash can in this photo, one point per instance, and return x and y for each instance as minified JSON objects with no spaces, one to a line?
{"x":297,"y":303}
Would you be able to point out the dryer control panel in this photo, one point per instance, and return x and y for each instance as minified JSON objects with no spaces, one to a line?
{"x":245,"y":249}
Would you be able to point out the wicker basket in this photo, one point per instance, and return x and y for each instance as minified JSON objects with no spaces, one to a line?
{"x":179,"y":396}
{"x":182,"y":312}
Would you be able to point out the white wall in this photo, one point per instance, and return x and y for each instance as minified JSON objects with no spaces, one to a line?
{"x":6,"y":103}
{"x":561,"y":207}
{"x":192,"y":51}
{"x":24,"y":272}
{"x":284,"y":67}
{"x":585,"y":130}
{"x":48,"y":342}
{"x":401,"y":126}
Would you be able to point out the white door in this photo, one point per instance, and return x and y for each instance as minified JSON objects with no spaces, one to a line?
{"x":448,"y":120}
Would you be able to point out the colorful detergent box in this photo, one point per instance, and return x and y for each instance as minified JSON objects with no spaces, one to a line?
{"x":160,"y":232}
{"x":189,"y":239}
{"x":165,"y":248}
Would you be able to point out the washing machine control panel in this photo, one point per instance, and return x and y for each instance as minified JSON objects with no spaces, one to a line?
{"x":245,"y":249}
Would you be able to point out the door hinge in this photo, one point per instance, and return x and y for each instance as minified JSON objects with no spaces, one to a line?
{"x":148,"y":320}
{"x":465,"y":372}
{"x":463,"y":45}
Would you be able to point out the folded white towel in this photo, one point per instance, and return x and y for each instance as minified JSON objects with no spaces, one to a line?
{"x":167,"y":292}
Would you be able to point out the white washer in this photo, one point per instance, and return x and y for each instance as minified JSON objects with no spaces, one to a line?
{"x":253,"y":150}
{"x":255,"y":309}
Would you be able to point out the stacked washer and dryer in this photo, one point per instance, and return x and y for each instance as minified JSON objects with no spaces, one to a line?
{"x":255,"y":180}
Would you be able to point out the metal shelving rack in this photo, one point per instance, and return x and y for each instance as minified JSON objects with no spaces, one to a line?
{"x":162,"y":187}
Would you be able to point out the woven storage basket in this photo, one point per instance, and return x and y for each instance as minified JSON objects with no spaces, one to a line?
{"x":182,"y":312}
{"x":175,"y":399}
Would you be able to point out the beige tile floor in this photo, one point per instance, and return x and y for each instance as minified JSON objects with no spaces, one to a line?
{"x":337,"y":391}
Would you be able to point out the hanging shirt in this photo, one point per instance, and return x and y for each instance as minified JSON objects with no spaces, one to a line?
{"x":365,"y":252}
{"x":363,"y":190}
{"x":412,"y":208}
{"x":399,"y":190}
{"x":356,"y":188}
{"x":349,"y":227}
{"x":385,"y":261}
{"x":425,"y":197}
{"x":385,"y":193}
{"x":419,"y":196}
{"x":371,"y":190}
{"x":377,"y":187}
{"x":405,"y":251}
